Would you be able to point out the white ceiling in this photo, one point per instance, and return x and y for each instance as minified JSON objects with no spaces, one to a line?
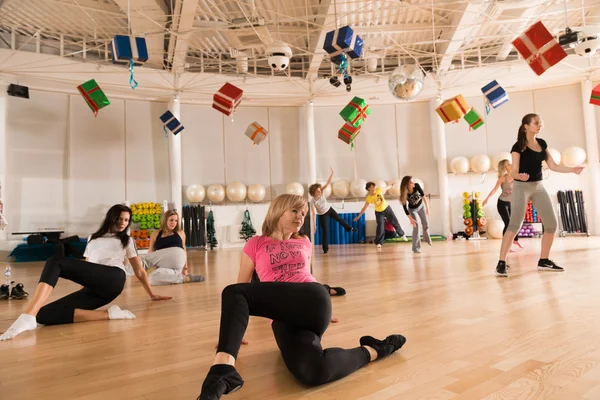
{"x":192,"y":44}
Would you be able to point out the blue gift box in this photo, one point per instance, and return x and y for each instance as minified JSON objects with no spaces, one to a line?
{"x":125,"y":48}
{"x":171,"y":122}
{"x":343,"y":39}
{"x":495,"y":94}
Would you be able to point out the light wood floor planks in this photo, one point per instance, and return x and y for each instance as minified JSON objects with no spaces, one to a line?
{"x":471,"y":335}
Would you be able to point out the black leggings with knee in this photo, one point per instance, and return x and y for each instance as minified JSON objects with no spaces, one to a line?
{"x":504,"y":211}
{"x":101,"y":285}
{"x":301,"y":313}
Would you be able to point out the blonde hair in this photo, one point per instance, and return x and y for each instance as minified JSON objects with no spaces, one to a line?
{"x":404,"y":188}
{"x":280,"y":205}
{"x":165,"y":217}
{"x":502,"y":168}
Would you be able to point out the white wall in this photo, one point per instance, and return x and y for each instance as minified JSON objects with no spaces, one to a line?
{"x":65,"y":167}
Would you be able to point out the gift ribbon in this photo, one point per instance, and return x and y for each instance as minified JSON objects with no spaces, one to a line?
{"x":441,"y":108}
{"x":362,"y":112}
{"x":536,"y":53}
{"x":132,"y":82}
{"x":88,"y":99}
{"x":258,"y":129}
{"x":338,"y":47}
{"x":227,"y":98}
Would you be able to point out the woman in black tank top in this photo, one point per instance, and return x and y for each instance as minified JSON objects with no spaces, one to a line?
{"x":166,"y":260}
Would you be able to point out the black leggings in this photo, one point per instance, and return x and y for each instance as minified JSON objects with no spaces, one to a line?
{"x":380,"y":217}
{"x":301,"y":313}
{"x":504,"y":211}
{"x":101,"y":285}
{"x":324,"y":224}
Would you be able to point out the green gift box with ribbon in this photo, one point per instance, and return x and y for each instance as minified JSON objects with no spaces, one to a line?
{"x":356,"y":112}
{"x":93,"y":96}
{"x":473,"y":119}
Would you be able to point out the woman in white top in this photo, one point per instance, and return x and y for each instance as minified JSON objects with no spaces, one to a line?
{"x":320,"y":207}
{"x":102,"y":276}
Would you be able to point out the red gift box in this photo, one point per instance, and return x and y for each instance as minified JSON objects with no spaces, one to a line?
{"x":227,"y":98}
{"x":539,"y":48}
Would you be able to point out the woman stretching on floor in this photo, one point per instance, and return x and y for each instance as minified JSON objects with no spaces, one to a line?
{"x":166,"y":261}
{"x":102,"y":276}
{"x":289,"y":295}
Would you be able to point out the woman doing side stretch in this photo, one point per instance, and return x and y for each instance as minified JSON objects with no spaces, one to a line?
{"x":289,"y":295}
{"x":412,"y":194}
{"x":102,"y":276}
{"x":527,"y":156}
{"x":166,"y":261}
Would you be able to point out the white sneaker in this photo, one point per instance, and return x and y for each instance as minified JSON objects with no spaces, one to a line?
{"x":404,"y":238}
{"x":378,"y":246}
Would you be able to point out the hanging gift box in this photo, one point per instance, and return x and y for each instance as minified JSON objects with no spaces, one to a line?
{"x":171,"y":123}
{"x":356,"y":112}
{"x":595,"y":96}
{"x":473,"y":119}
{"x":93,"y":96}
{"x":125,"y":48}
{"x":227,"y":98}
{"x":341,"y":40}
{"x":452,"y":109}
{"x":539,"y":48}
{"x":348,"y":133}
{"x":494,"y":94}
{"x":256,"y":133}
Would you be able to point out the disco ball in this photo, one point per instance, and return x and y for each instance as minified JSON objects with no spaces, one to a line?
{"x":406,"y":82}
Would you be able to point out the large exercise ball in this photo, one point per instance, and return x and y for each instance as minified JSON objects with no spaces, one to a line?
{"x":215,"y":193}
{"x":295,"y":188}
{"x":499,"y":157}
{"x":236,"y":191}
{"x":380,"y":183}
{"x":256,"y":192}
{"x":327,"y":191}
{"x":459,"y":165}
{"x":357,"y":188}
{"x":480,"y":163}
{"x":556,"y":156}
{"x":394,"y":191}
{"x":573,"y":156}
{"x":341,"y":189}
{"x":195,"y":193}
{"x":495,"y":228}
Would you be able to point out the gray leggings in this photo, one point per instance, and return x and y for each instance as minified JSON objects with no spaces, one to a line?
{"x":534,"y":191}
{"x":169,"y":263}
{"x":416,"y":239}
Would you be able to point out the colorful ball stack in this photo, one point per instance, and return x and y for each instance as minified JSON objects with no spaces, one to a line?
{"x":147,"y":218}
{"x":469,"y":212}
{"x":531,"y":215}
{"x":528,"y":230}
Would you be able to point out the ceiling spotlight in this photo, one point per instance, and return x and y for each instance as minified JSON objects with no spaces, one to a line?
{"x":334,"y":81}
{"x":348,"y":82}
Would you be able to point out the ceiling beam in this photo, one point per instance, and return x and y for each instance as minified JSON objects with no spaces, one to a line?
{"x":148,"y":16}
{"x":181,"y":29}
{"x":464,"y":20}
{"x":527,"y":15}
{"x":326,"y":18}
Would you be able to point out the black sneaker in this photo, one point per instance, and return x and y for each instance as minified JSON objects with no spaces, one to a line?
{"x":4,"y":292}
{"x":549,"y":265}
{"x":18,"y":292}
{"x":501,"y":268}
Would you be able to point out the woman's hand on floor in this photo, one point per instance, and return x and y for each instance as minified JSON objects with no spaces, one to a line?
{"x":158,"y":297}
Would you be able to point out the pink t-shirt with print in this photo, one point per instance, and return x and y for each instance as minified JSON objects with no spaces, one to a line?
{"x":280,"y":260}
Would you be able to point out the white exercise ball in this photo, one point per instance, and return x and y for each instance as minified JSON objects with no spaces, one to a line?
{"x":256,"y":192}
{"x":394,"y":191}
{"x":556,"y":156}
{"x":379,"y":183}
{"x":459,"y":165}
{"x":341,"y":189}
{"x":357,"y":188}
{"x":215,"y":193}
{"x":195,"y":193}
{"x":236,"y":191}
{"x":295,"y":188}
{"x":573,"y":156}
{"x":495,"y":228}
{"x":480,"y":163}
{"x":499,"y":157}
{"x":327,"y":191}
{"x":419,"y":181}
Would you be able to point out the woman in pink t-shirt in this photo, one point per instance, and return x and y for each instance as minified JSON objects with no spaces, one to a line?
{"x":289,"y":295}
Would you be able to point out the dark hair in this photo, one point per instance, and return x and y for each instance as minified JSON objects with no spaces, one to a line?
{"x":522,"y":136}
{"x":369,"y":184}
{"x":404,"y":188}
{"x":313,"y":188}
{"x":111,"y":219}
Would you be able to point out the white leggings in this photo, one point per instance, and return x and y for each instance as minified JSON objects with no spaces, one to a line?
{"x":168,"y":262}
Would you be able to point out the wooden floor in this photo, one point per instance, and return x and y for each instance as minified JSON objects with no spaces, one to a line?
{"x":471,"y":335}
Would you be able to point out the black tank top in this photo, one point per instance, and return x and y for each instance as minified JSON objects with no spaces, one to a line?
{"x":173,"y":240}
